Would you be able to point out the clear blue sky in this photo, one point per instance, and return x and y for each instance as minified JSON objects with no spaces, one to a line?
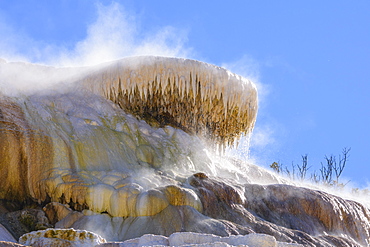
{"x":311,"y":58}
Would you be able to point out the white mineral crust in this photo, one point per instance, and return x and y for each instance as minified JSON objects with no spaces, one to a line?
{"x":61,"y":237}
{"x":5,"y":235}
{"x":203,"y":240}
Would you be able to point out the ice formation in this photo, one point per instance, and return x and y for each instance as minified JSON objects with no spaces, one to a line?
{"x":119,"y":146}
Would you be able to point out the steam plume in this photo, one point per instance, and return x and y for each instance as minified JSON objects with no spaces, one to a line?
{"x":114,"y":34}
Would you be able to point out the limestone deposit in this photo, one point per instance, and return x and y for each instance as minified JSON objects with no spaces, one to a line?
{"x":5,"y":235}
{"x":200,"y":98}
{"x":61,"y":237}
{"x":198,"y":239}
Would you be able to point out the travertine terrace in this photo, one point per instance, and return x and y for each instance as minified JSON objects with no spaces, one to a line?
{"x":123,"y":149}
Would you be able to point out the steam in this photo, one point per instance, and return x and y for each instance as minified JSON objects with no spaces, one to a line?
{"x":264,"y":144}
{"x":114,"y":34}
{"x":264,"y":136}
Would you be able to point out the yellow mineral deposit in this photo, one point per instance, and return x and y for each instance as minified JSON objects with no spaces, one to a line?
{"x":150,"y":203}
{"x":123,"y":201}
{"x":178,"y":196}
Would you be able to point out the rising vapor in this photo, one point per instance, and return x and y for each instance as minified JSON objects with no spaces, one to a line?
{"x":115,"y":33}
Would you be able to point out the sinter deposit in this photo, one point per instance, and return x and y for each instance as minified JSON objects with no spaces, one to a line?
{"x":125,"y":150}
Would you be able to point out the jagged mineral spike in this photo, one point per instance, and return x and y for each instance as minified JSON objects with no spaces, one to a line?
{"x":182,"y":84}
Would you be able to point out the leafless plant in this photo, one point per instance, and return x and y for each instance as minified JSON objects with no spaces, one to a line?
{"x":328,"y":174}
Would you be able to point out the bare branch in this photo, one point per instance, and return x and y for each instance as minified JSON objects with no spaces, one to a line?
{"x":338,"y":169}
{"x":328,"y":170}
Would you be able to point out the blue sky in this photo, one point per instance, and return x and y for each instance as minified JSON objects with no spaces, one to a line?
{"x":311,"y":59}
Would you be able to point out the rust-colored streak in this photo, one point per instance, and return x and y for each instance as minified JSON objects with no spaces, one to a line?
{"x":24,"y":154}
